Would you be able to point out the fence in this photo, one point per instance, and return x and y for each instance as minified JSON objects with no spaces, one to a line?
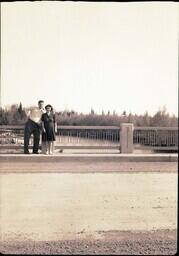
{"x":88,"y":136}
{"x":125,"y":138}
{"x":156,"y":137}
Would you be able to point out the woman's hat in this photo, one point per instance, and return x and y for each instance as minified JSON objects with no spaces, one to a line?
{"x":48,"y":106}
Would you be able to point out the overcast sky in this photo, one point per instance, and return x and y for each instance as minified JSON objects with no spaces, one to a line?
{"x":105,"y":56}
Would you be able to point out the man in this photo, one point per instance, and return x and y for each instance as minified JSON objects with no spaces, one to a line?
{"x":33,"y":126}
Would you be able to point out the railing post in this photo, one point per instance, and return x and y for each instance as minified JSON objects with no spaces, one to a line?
{"x":126,"y":137}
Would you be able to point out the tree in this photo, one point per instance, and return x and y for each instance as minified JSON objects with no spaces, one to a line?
{"x":20,"y":108}
{"x":130,"y":118}
{"x":3,"y":116}
{"x":124,"y":113}
{"x":146,"y":119}
{"x":15,"y":114}
{"x":14,"y":108}
{"x":114,"y":113}
{"x":92,"y":111}
{"x":161,"y":118}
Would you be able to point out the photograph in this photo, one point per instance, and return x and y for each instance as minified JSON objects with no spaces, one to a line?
{"x":89,"y":127}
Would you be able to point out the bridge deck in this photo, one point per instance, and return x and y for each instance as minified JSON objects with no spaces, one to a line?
{"x":85,"y":163}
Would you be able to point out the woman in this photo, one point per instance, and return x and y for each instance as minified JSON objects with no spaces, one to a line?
{"x":49,"y":127}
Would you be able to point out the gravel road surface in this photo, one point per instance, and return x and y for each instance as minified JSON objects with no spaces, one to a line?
{"x":89,"y":213}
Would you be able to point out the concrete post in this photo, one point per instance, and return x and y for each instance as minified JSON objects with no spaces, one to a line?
{"x":126,"y":138}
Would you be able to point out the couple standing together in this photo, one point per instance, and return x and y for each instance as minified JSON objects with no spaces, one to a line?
{"x":40,"y":121}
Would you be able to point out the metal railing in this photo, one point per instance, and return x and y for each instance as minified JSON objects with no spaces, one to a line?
{"x":12,"y":135}
{"x":107,"y":137}
{"x":67,"y":137}
{"x":156,"y":137}
{"x":88,"y":135}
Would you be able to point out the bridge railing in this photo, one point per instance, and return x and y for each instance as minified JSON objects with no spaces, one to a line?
{"x":94,"y":136}
{"x":97,"y":137}
{"x":125,"y":137}
{"x":156,"y":137}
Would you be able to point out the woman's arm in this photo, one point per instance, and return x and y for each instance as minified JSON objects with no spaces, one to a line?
{"x":43,"y":127}
{"x":55,"y":123}
{"x":55,"y":126}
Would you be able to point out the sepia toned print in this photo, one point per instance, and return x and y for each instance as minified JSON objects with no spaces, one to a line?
{"x":89,"y":128}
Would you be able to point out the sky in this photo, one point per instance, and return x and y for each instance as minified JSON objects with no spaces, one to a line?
{"x":81,"y":55}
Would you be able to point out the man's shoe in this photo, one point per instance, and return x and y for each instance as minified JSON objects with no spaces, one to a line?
{"x":35,"y":152}
{"x":27,"y":152}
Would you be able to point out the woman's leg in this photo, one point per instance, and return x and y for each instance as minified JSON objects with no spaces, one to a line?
{"x":48,"y":146}
{"x":44,"y":143}
{"x":51,"y":147}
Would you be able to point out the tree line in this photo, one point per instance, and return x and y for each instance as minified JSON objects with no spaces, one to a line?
{"x":15,"y":115}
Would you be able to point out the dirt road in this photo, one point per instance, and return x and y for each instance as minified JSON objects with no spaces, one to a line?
{"x":68,"y":213}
